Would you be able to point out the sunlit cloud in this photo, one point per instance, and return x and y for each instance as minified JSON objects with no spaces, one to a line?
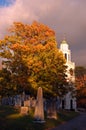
{"x":63,"y":16}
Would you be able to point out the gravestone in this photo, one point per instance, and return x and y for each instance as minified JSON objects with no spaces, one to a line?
{"x":33,"y":103}
{"x":39,"y":109}
{"x":26,"y":103}
{"x":23,"y":98}
{"x":17,"y":101}
{"x":24,"y":110}
{"x":51,"y":110}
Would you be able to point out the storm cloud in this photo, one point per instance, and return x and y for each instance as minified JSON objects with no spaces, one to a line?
{"x":65,"y":17}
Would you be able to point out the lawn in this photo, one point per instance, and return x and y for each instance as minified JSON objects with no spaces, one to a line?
{"x":11,"y":119}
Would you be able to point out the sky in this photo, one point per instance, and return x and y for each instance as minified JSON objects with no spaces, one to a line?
{"x":65,"y":17}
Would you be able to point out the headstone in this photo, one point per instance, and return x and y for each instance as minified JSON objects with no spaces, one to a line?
{"x":29,"y":102}
{"x":58,"y":102}
{"x":22,"y":98}
{"x":33,"y":103}
{"x":26,"y":103}
{"x":17,"y":101}
{"x":10,"y":101}
{"x":24,"y":110}
{"x":51,"y":110}
{"x":23,"y":95}
{"x":5,"y":101}
{"x":45,"y":105}
{"x":39,"y":109}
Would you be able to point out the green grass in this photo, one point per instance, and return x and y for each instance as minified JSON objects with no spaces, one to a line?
{"x":11,"y":119}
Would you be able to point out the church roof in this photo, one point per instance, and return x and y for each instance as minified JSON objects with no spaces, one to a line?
{"x":64,"y":42}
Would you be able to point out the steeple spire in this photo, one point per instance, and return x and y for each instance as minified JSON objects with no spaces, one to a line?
{"x":64,"y":41}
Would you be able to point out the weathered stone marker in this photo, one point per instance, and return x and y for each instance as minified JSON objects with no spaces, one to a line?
{"x":39,"y":108}
{"x":24,"y":110}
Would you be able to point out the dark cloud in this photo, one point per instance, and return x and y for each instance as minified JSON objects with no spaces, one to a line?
{"x":70,"y":19}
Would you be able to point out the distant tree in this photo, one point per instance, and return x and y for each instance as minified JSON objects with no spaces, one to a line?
{"x":80,"y":72}
{"x":31,"y":56}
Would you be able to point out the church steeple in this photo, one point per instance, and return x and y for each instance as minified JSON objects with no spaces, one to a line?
{"x":64,"y":47}
{"x":70,"y":102}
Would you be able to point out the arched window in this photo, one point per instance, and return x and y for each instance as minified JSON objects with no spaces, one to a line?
{"x":65,"y":56}
{"x":71,"y":71}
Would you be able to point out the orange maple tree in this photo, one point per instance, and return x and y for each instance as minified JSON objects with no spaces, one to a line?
{"x":31,"y":55}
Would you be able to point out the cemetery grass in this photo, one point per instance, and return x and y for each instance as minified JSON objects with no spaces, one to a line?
{"x":11,"y":119}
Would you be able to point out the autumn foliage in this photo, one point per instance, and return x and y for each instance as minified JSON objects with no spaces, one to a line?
{"x":81,"y":86}
{"x":31,"y":56}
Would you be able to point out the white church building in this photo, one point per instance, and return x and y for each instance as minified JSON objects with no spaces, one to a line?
{"x":68,"y":101}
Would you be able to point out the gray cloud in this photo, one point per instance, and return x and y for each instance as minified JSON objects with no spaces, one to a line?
{"x":64,"y":16}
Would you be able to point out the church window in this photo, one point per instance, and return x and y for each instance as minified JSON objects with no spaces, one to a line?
{"x":65,"y":56}
{"x":71,"y":71}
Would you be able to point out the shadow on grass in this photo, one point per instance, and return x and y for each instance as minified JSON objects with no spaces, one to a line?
{"x":11,"y":119}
